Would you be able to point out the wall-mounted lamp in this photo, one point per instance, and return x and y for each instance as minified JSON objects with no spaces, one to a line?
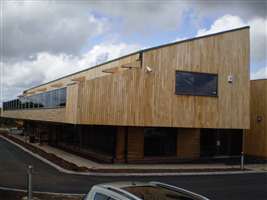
{"x":259,"y":118}
{"x":230,"y":79}
{"x":148,"y":69}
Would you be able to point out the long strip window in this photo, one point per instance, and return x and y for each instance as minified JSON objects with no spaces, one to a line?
{"x":51,"y":99}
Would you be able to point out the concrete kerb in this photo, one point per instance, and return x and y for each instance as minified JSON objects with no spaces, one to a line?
{"x":117,"y":174}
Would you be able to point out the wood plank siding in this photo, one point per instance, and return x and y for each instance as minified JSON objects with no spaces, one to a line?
{"x":50,"y":115}
{"x":137,"y":98}
{"x":132,"y":96}
{"x":255,"y":140}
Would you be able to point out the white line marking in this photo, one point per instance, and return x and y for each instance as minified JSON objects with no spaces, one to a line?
{"x":52,"y":193}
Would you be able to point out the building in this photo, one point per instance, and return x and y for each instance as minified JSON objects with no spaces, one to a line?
{"x":180,"y":101}
{"x":255,"y":145}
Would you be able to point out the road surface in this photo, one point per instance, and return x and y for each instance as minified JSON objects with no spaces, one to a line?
{"x":14,"y":162}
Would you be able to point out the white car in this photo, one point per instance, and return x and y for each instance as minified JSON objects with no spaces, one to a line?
{"x":140,"y":191}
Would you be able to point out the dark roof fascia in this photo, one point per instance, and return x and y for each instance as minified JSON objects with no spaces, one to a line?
{"x":141,"y":51}
{"x":260,"y":79}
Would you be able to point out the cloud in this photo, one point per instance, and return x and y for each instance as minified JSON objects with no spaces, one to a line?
{"x":244,"y":9}
{"x":258,"y":34}
{"x":226,"y":22}
{"x":46,"y":67}
{"x":44,"y":40}
{"x":145,"y":16}
{"x":259,"y":74}
{"x":30,"y":27}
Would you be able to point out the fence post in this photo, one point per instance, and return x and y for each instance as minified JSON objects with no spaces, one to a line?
{"x":242,"y":161}
{"x":30,"y":168}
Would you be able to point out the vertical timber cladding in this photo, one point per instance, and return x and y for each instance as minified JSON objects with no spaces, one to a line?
{"x":135,"y":140}
{"x":188,"y":143}
{"x":120,"y":145}
{"x":72,"y":103}
{"x":137,"y":98}
{"x":255,"y":141}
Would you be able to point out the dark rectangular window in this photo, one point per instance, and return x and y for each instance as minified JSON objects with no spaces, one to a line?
{"x":197,"y":84}
{"x":160,"y":142}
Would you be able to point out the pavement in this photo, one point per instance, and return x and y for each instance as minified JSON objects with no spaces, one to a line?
{"x":14,"y":162}
{"x":164,"y":168}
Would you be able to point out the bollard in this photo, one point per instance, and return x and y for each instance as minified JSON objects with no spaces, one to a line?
{"x":242,"y":161}
{"x":30,"y":168}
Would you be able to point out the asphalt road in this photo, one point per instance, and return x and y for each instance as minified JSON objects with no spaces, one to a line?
{"x":14,"y":162}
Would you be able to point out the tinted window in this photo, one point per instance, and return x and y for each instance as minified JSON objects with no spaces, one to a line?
{"x":99,"y":196}
{"x":62,"y":97}
{"x":198,"y":84}
{"x":41,"y":100}
{"x":51,"y":99}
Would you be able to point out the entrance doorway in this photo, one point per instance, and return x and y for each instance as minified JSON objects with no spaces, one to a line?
{"x":220,"y":142}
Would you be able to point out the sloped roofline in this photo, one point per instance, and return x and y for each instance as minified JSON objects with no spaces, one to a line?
{"x":140,"y":51}
{"x":260,"y":79}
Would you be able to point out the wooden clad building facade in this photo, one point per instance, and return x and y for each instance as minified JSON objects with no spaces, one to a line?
{"x":255,"y":143}
{"x":183,"y":100}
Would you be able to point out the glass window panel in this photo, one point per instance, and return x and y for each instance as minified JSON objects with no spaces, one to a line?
{"x":30,"y":102}
{"x":23,"y":102}
{"x":41,"y":100}
{"x":53,"y":98}
{"x":19,"y":103}
{"x":27,"y":102}
{"x":99,"y":196}
{"x":46,"y":100}
{"x":199,"y":84}
{"x":37,"y":101}
{"x":57,"y":98}
{"x":49,"y":94}
{"x":62,"y":101}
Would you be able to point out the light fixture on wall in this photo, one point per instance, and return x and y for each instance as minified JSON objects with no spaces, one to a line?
{"x":230,"y":78}
{"x":259,"y":118}
{"x":148,"y":69}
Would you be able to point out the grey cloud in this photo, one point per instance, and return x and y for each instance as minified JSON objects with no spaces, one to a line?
{"x":244,"y":8}
{"x":65,"y":26}
{"x":47,"y":27}
{"x":145,"y":17}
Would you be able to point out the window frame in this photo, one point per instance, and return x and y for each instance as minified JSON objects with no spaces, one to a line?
{"x":200,"y":95}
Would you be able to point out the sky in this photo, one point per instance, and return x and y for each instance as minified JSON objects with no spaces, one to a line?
{"x":44,"y":40}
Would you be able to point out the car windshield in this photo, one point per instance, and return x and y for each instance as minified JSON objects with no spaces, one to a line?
{"x":156,"y":193}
